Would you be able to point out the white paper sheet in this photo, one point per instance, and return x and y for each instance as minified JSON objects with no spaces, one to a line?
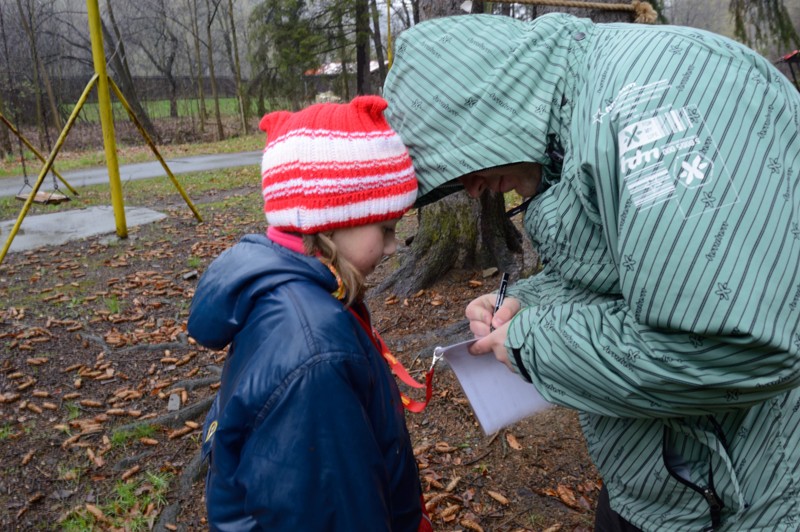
{"x":498,"y":396}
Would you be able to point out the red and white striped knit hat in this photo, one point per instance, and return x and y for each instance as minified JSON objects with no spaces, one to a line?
{"x":334,"y":165}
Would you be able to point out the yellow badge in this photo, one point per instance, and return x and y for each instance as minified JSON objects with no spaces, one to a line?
{"x":211,"y":430}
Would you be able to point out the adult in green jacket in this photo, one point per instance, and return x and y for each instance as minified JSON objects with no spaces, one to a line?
{"x":665,"y":166}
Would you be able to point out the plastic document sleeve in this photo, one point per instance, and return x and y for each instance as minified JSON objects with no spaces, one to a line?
{"x":498,"y":396}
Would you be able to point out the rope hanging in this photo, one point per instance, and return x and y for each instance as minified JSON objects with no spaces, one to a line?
{"x":643,"y":12}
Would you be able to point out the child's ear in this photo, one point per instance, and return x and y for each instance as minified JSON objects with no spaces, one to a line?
{"x":272,"y":121}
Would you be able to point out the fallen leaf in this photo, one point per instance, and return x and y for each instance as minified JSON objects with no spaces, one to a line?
{"x":567,"y":496}
{"x":497,"y":496}
{"x":452,"y":484}
{"x":180,"y":432}
{"x":96,"y":512}
{"x":450,"y":510}
{"x":130,"y":472}
{"x":469,"y":524}
{"x":443,"y":447}
{"x":27,"y":458}
{"x":512,"y":441}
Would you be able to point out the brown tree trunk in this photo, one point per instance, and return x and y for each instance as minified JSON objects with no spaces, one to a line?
{"x":376,"y":39}
{"x":192,"y":7}
{"x":237,"y":70}
{"x":209,"y":49}
{"x":119,"y":64}
{"x":6,"y":148}
{"x":362,"y":47}
{"x":457,"y":232}
{"x":27,"y":25}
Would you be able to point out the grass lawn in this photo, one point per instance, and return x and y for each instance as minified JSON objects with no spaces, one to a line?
{"x":11,"y":166}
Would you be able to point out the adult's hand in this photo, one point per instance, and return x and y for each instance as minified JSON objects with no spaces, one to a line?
{"x":479,"y":313}
{"x":494,"y":343}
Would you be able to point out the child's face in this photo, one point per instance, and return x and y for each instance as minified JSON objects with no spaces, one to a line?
{"x":524,"y":178}
{"x":364,"y":246}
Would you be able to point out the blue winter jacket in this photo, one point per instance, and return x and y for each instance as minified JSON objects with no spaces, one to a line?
{"x":307,"y":431}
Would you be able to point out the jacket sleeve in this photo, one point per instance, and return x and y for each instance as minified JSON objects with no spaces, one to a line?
{"x":703,"y":228}
{"x":313,"y":463}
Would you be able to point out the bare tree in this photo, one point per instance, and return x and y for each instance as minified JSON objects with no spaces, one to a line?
{"x":191,"y":6}
{"x":362,"y":47}
{"x":376,"y":39}
{"x":212,"y":7}
{"x":27,"y":18}
{"x":156,"y":35}
{"x":236,"y":67}
{"x":6,"y":148}
{"x":118,"y":62}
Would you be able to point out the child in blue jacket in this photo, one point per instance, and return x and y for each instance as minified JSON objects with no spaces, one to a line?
{"x":307,"y":431}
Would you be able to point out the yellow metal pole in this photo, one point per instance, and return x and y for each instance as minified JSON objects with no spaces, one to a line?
{"x":106,"y":117}
{"x":38,"y":155}
{"x":152,"y":145}
{"x":48,"y":164}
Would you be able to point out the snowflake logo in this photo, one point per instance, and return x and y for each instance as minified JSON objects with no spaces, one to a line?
{"x":471,"y":101}
{"x":693,"y":170}
{"x":629,"y":263}
{"x":417,"y":104}
{"x":796,"y":231}
{"x":723,"y":291}
{"x":709,"y":200}
{"x":539,"y":109}
{"x":675,"y":49}
{"x":774,"y":166}
{"x":732,"y":396}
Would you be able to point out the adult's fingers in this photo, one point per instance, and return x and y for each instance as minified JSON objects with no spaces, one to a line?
{"x":480,"y":309}
{"x":507,"y":310}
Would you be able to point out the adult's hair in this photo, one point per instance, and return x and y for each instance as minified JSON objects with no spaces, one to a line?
{"x":352,"y":281}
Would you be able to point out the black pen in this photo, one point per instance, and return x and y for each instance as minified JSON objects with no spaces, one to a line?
{"x":501,"y":295}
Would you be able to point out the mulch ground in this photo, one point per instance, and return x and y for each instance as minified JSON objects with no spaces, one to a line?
{"x":102,"y":394}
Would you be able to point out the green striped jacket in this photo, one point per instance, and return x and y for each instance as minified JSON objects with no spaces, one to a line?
{"x":668,"y":310}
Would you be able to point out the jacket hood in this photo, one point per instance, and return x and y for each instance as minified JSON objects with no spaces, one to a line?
{"x":476,"y":91}
{"x":233,"y":283}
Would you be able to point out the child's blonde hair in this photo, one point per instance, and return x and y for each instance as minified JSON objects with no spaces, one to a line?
{"x":353,"y":282}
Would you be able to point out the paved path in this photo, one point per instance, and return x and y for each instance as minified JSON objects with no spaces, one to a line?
{"x":59,"y":227}
{"x":11,"y":186}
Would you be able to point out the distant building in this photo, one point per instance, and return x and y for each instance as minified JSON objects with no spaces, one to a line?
{"x":326,"y":81}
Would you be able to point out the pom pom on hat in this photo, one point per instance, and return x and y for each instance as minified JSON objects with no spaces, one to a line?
{"x":334,"y":165}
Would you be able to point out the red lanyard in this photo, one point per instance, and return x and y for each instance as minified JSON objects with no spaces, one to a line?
{"x":398,"y":369}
